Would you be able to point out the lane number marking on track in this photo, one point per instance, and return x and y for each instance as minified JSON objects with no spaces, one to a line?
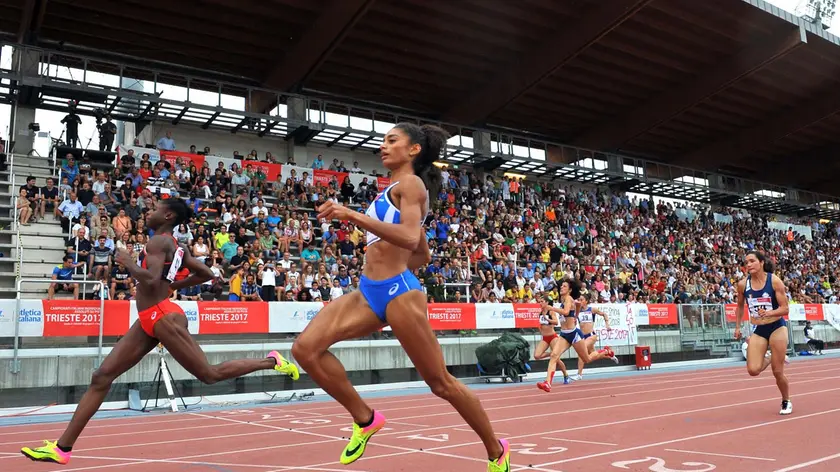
{"x":310,"y":421}
{"x":659,"y":465}
{"x":272,"y":417}
{"x":530,"y":449}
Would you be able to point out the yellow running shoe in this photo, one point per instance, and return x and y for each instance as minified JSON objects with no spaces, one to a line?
{"x":502,"y":464}
{"x":284,"y":366}
{"x":356,"y":448}
{"x":49,"y":452}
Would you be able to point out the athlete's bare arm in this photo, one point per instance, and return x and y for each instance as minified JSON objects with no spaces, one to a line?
{"x":739,"y":307}
{"x":407,"y":234}
{"x":199,"y":273}
{"x":155,"y":260}
{"x":421,"y":256}
{"x":603,"y":315}
{"x":781,"y":299}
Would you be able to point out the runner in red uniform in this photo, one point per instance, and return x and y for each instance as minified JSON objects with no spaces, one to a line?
{"x":161,"y":321}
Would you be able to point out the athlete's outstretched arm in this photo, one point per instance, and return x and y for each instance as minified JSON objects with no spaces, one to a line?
{"x":199,"y":273}
{"x":155,"y":260}
{"x":603,"y":315}
{"x":407,"y":234}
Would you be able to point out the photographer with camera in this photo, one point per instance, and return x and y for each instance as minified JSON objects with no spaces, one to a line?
{"x":107,"y":131}
{"x":72,"y":121}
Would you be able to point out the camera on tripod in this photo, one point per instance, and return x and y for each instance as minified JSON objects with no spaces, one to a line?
{"x":99,"y":114}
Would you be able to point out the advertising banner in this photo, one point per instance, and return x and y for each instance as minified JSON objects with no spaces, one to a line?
{"x":452,"y":316}
{"x":82,"y":317}
{"x":622,"y":323}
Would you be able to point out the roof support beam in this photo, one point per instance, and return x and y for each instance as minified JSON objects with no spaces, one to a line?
{"x":545,"y":59}
{"x":740,"y":145}
{"x":611,"y":135}
{"x":33,"y":18}
{"x":826,"y":160}
{"x":315,"y":46}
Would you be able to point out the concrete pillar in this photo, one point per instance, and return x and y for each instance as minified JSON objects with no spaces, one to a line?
{"x":296,"y":111}
{"x":26,"y":62}
{"x":126,"y":132}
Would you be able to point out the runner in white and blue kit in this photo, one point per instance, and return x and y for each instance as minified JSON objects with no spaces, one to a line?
{"x":570,"y":333}
{"x":586,"y":318}
{"x":764,"y":295}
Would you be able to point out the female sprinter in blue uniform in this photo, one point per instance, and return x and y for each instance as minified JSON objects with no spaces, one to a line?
{"x":767,"y":304}
{"x":549,"y":345}
{"x":570,"y":334}
{"x":586,"y":318}
{"x":390,"y":294}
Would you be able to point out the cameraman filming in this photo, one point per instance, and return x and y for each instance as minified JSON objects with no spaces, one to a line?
{"x":107,"y":131}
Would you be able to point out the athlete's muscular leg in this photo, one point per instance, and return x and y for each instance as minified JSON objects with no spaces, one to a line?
{"x":172,"y":331}
{"x":347,"y":318}
{"x":125,"y":355}
{"x":407,"y":316}
{"x":756,"y":350}
{"x":778,"y":348}
{"x":541,"y":351}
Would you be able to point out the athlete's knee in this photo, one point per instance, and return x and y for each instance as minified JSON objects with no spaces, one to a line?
{"x":555,"y":356}
{"x":208,"y":375}
{"x":443,"y":385}
{"x":102,"y":378}
{"x":304,"y":351}
{"x":779,"y":373}
{"x":754,"y":370}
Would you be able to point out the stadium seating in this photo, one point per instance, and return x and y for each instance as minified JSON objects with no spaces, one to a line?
{"x":623,"y":249}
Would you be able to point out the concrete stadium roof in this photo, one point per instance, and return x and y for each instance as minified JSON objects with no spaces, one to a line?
{"x":737,"y":87}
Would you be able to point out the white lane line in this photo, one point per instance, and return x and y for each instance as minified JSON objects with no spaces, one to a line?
{"x":734,"y":456}
{"x":809,"y":463}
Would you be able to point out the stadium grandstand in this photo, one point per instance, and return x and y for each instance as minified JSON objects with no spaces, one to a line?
{"x":642,"y":147}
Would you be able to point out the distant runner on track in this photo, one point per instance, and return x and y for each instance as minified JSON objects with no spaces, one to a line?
{"x":549,"y":345}
{"x":586,"y":318}
{"x":570,"y":334}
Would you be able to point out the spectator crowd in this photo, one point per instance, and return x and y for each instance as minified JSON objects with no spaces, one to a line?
{"x":493,"y":239}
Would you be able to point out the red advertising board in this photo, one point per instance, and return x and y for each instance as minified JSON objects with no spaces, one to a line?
{"x":451,"y":316}
{"x":186,"y":157}
{"x":814,"y":312}
{"x":382,"y":183}
{"x":81,"y":317}
{"x":232,"y":317}
{"x":271,"y":171}
{"x":527,"y":315}
{"x":662,"y":314}
{"x":322,"y":178}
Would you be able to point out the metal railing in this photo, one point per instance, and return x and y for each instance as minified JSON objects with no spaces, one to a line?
{"x":15,"y":359}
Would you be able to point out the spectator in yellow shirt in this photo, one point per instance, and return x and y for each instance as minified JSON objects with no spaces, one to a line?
{"x":236,"y":285}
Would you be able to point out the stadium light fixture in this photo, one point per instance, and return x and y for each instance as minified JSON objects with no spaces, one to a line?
{"x":818,"y":12}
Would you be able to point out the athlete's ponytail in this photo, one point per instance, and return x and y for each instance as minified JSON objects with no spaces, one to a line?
{"x":766,"y":264}
{"x":432,"y":141}
{"x":574,"y":288}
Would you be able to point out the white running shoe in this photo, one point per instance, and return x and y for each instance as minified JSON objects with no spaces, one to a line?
{"x":787,"y":407}
{"x":577,"y":377}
